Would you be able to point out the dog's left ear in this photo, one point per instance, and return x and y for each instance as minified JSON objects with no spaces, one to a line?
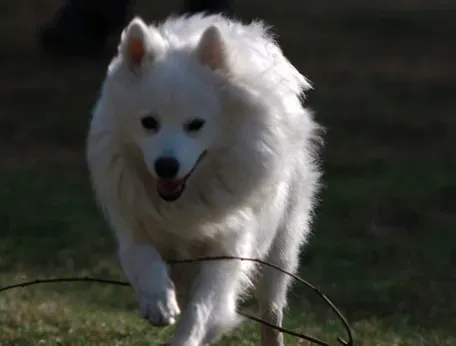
{"x":211,"y":50}
{"x":140,"y":43}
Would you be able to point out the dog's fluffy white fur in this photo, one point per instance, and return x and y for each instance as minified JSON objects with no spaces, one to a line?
{"x":250,"y":166}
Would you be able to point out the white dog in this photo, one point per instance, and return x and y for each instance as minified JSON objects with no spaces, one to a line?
{"x":199,"y":146}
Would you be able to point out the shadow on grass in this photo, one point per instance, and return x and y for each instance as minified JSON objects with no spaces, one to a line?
{"x":50,"y":220}
{"x":384,"y":243}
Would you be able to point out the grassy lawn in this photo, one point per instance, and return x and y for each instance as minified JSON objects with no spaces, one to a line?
{"x":384,"y":246}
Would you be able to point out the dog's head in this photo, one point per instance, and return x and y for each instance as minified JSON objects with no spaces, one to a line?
{"x":173,"y":101}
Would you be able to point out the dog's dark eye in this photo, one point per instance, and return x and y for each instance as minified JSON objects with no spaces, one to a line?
{"x":150,"y":123}
{"x":194,"y":125}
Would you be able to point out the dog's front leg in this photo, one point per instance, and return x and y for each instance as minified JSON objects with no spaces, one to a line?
{"x":211,"y":310}
{"x":148,"y":274}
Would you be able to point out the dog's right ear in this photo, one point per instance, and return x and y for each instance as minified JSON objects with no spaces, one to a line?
{"x":140,"y":43}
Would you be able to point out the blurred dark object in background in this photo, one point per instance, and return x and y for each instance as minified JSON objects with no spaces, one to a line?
{"x":82,"y":27}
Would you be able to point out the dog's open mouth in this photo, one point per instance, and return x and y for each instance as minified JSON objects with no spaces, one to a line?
{"x":171,"y":189}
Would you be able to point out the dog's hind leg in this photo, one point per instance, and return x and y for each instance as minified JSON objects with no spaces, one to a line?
{"x":271,"y":292}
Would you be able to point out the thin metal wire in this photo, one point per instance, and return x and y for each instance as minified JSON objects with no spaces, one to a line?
{"x":301,"y":336}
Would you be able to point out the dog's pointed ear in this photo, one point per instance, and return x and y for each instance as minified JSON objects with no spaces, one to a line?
{"x":139,"y":43}
{"x":211,"y":50}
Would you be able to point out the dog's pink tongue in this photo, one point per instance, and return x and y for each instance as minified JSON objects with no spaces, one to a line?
{"x":169,"y":186}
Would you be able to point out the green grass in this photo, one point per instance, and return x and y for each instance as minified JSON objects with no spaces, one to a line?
{"x":388,"y":266}
{"x":383,"y":246}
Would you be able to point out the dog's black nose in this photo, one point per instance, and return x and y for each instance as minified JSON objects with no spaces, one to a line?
{"x":166,"y":167}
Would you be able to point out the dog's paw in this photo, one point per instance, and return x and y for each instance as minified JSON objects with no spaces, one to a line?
{"x":159,"y":306}
{"x":154,"y":288}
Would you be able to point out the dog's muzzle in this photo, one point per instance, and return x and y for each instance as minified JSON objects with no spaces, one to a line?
{"x":171,"y":189}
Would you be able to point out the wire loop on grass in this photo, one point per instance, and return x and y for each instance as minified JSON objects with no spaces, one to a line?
{"x":301,"y":336}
